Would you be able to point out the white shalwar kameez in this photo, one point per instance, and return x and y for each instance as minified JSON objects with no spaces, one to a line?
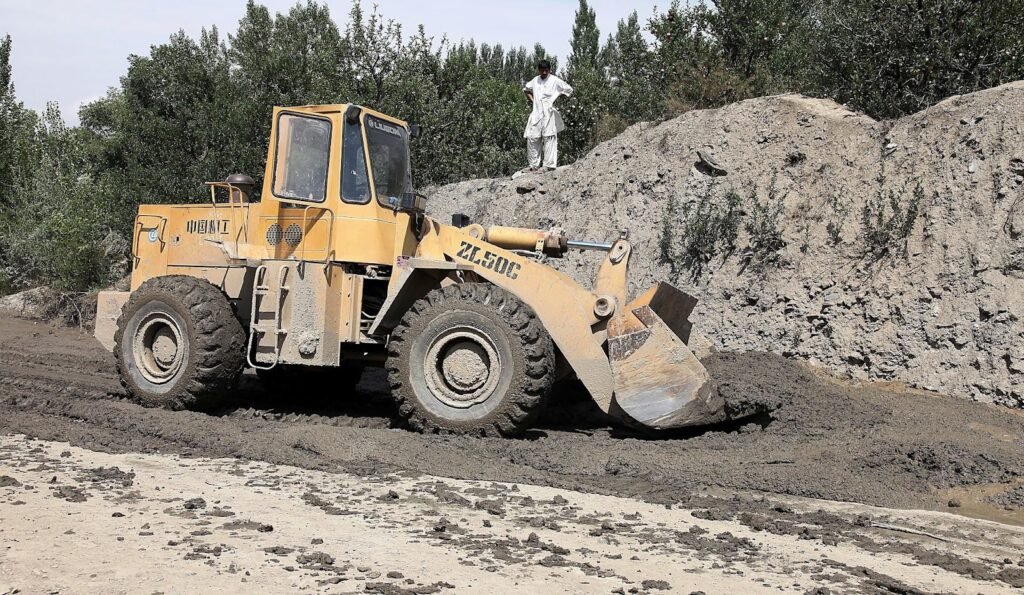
{"x":545,"y":122}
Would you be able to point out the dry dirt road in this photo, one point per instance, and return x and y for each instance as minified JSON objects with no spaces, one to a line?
{"x":849,"y":489}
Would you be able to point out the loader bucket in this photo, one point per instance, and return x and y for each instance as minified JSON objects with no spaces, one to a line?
{"x":659,"y":383}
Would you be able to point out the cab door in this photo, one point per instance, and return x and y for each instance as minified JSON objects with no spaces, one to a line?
{"x":298,"y":215}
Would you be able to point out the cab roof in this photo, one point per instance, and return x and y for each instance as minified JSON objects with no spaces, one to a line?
{"x":340,"y":108}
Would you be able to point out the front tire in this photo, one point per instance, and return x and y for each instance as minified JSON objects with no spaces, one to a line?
{"x":178,"y":344}
{"x":470,"y":359}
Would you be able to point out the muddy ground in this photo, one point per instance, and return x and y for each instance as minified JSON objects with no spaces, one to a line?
{"x":823,"y":439}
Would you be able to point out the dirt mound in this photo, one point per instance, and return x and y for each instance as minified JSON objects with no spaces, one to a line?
{"x":945,"y":316}
{"x":46,"y":304}
{"x":34,"y":304}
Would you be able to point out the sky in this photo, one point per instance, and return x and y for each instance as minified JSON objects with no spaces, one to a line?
{"x":73,"y":51}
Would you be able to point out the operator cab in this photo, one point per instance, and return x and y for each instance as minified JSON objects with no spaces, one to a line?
{"x":340,"y":178}
{"x":374,"y":157}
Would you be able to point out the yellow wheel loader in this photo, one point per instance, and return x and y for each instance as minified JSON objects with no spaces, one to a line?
{"x":336,"y":267}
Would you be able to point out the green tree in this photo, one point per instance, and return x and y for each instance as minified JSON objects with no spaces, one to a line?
{"x":586,"y":41}
{"x":60,"y":229}
{"x":286,"y":59}
{"x":371,"y":50}
{"x":585,"y":72}
{"x":756,"y":35}
{"x":172,"y":126}
{"x":632,"y":96}
{"x":16,"y":125}
{"x":894,"y":58}
{"x":689,"y":64}
{"x":8,"y":114}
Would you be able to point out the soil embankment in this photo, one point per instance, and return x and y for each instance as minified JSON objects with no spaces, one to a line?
{"x":948,"y":315}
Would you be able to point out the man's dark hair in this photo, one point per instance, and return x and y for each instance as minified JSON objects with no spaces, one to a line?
{"x":543,"y":64}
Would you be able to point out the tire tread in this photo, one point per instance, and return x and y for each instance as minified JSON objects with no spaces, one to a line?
{"x":217,"y":339}
{"x":535,"y":379}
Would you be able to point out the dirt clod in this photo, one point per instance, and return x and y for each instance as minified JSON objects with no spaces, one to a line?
{"x":194,"y":504}
{"x":315,"y":559}
{"x":69,"y":493}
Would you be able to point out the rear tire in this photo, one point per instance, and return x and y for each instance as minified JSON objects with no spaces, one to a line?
{"x":470,"y":359}
{"x":178,"y":344}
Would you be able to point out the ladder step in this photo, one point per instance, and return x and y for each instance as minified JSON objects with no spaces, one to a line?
{"x":263,"y":323}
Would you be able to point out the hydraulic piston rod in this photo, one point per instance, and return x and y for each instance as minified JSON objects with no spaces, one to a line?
{"x":551,"y":242}
{"x":588,"y":245}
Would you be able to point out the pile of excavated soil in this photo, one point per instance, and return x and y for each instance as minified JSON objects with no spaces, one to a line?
{"x":945,"y":317}
{"x":824,"y":440}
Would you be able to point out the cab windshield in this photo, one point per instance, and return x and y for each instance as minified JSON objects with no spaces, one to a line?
{"x":388,"y":146}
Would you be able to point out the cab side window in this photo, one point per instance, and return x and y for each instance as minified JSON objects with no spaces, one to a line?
{"x":302,"y":157}
{"x":355,"y":182}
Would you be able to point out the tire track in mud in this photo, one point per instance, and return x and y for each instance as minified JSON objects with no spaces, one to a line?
{"x":823,"y":440}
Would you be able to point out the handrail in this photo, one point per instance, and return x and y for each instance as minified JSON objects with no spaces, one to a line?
{"x":328,"y":252}
{"x":231,"y":188}
{"x":138,"y":228}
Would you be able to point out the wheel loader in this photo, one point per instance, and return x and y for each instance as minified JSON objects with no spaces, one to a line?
{"x":336,"y":267}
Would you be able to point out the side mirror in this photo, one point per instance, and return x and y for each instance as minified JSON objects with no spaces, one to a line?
{"x":352,"y":115}
{"x":415,"y":130}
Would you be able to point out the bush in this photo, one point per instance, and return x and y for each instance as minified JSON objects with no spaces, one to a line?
{"x":667,"y":237}
{"x":839,"y":211}
{"x":888,"y":217}
{"x":63,"y":229}
{"x":763,"y":226}
{"x":709,"y":229}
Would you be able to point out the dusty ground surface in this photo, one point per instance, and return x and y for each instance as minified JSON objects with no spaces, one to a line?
{"x":74,"y":520}
{"x":823,"y":439}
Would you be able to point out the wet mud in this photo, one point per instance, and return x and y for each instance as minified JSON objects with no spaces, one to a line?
{"x":814,"y":437}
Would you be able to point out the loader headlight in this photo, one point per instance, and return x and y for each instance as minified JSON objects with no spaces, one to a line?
{"x":410,"y":202}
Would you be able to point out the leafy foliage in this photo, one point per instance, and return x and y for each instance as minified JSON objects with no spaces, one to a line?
{"x":197,"y":109}
{"x":897,"y":57}
{"x":585,"y":72}
{"x":708,"y":229}
{"x":839,"y":211}
{"x":59,"y":228}
{"x":762,"y":225}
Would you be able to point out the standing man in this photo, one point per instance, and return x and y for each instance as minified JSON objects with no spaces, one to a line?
{"x":545,"y":122}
